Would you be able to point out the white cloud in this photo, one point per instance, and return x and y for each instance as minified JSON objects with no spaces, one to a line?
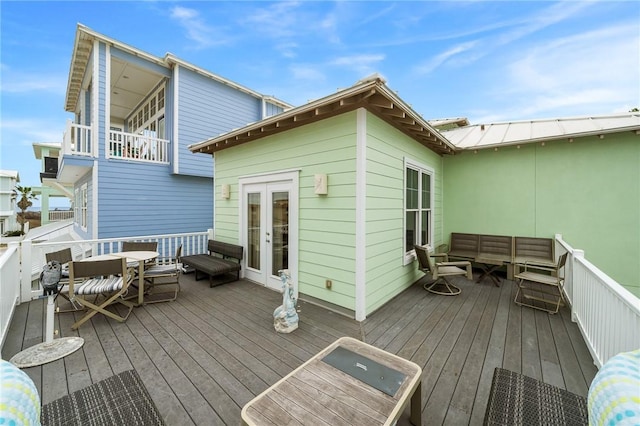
{"x":197,"y":29}
{"x":25,"y":132}
{"x":440,"y":59}
{"x":361,"y":64}
{"x":594,"y":70}
{"x":307,"y":72}
{"x":14,"y":81}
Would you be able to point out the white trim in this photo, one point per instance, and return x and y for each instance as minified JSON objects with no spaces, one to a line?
{"x":94,"y":200}
{"x":409,"y":256}
{"x":292,"y":176}
{"x":174,"y":119}
{"x":361,"y":211}
{"x":95,"y":100}
{"x":107,"y":101}
{"x":257,"y":178}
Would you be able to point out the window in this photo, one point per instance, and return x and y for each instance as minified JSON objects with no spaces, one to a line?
{"x":418,"y":206}
{"x":80,"y":206}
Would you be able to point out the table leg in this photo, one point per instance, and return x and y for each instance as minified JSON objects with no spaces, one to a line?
{"x":416,"y":405}
{"x":487,"y":270}
{"x":141,"y":282}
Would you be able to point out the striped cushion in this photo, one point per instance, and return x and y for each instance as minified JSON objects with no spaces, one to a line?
{"x":100,"y":285}
{"x":162,"y":269}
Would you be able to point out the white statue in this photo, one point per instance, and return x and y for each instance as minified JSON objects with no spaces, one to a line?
{"x":285,"y":317}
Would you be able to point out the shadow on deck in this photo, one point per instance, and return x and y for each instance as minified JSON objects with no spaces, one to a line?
{"x":205,"y":355}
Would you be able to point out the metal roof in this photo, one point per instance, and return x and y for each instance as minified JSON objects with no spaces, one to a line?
{"x":494,"y":135}
{"x":370,"y":93}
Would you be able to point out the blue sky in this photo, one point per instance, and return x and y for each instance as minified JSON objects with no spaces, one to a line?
{"x":487,"y":61}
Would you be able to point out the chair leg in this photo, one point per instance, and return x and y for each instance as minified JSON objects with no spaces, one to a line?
{"x":449,"y":289}
{"x":102,"y":309}
{"x":556,"y":303}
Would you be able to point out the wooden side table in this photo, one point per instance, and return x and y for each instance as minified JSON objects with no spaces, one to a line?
{"x":319,"y":393}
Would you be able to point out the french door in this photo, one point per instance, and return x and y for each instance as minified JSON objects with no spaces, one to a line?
{"x":267,"y":237}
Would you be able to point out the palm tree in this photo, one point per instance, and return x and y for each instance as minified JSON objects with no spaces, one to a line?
{"x":26,"y":195}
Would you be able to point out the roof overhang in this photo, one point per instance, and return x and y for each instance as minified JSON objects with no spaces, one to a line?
{"x":371,"y":94}
{"x":81,"y":57}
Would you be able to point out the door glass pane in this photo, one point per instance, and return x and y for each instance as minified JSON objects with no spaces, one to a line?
{"x":253,"y":231}
{"x":280,"y":227}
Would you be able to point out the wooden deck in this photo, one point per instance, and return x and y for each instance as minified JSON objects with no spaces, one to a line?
{"x":205,"y":355}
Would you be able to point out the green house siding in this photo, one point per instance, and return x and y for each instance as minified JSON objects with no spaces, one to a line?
{"x":386,"y":274}
{"x":326,"y":223}
{"x":588,"y":191}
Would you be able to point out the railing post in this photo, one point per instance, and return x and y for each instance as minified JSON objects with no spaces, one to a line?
{"x":26,"y":253}
{"x":577,"y":288}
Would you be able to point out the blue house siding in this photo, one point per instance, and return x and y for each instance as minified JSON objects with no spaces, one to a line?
{"x":158,"y":201}
{"x":271,"y":109}
{"x":208,"y":108}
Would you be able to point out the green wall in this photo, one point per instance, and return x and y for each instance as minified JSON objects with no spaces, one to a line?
{"x":587,"y":190}
{"x":386,"y":274}
{"x":326,"y":223}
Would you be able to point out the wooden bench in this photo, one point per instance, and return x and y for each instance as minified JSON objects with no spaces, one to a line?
{"x":223,"y":260}
{"x":498,"y":249}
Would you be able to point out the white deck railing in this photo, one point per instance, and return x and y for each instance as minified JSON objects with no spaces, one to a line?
{"x":607,"y":314}
{"x":131,"y":146}
{"x":77,"y":139}
{"x":10,"y":287}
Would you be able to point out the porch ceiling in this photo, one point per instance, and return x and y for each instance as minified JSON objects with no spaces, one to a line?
{"x":371,"y":94}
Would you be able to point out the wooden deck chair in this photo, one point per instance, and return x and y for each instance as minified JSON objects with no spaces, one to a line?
{"x":163,"y":274}
{"x":63,"y":257}
{"x":106,"y":280}
{"x":542,"y":284}
{"x":440,"y":271}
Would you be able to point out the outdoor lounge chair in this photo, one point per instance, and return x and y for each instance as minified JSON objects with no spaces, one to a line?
{"x":163,"y":274}
{"x":440,"y":271}
{"x":542,"y":284}
{"x":106,"y":281}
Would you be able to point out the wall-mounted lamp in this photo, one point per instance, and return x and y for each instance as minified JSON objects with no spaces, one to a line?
{"x":225,"y":191}
{"x":320,"y":184}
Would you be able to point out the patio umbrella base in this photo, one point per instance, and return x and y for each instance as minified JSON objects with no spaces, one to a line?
{"x":46,"y":352}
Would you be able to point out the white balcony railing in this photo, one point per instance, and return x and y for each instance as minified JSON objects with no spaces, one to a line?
{"x":607,"y":314}
{"x":77,"y":139}
{"x":59,"y":215}
{"x":145,"y":147}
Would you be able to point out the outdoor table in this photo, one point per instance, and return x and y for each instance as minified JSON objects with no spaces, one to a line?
{"x":132,"y":256}
{"x":348,"y":382}
{"x":489,"y":266}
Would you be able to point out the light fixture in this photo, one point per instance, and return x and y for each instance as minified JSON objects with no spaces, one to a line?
{"x":320,"y":184}
{"x":225,"y":191}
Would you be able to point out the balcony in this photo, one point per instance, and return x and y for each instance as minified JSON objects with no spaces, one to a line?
{"x":143,"y":147}
{"x":208,"y":353}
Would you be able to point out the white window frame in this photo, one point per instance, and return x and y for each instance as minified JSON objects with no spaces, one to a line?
{"x":80,"y":206}
{"x":410,"y":255}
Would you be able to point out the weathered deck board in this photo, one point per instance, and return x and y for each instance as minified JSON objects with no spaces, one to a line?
{"x":205,"y":355}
